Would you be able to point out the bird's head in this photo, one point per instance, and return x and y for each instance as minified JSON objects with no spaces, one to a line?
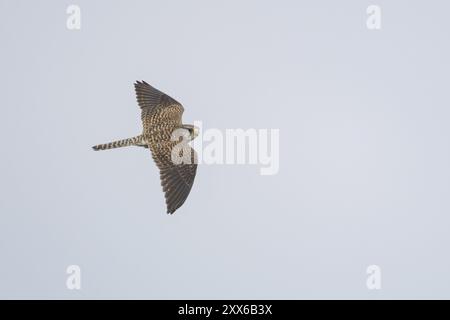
{"x":193,"y":130}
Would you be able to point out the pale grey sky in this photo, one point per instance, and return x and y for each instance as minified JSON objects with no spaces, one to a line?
{"x":364,"y":149}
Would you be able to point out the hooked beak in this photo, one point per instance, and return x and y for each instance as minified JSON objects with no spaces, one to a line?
{"x":196,"y":132}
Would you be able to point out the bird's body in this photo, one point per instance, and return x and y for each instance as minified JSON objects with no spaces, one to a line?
{"x":161,"y":116}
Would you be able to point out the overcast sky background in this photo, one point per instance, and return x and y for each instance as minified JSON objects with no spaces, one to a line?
{"x":364,"y":149}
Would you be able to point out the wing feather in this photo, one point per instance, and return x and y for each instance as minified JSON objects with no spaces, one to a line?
{"x":156,"y":105}
{"x":176,"y":180}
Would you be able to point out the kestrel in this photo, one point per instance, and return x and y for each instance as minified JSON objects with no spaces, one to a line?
{"x":161,"y":117}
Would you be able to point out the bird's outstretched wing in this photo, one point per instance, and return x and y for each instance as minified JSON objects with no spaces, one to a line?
{"x":177,"y":181}
{"x":156,"y":103}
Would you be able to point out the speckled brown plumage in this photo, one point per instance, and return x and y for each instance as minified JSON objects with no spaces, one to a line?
{"x":161,"y":115}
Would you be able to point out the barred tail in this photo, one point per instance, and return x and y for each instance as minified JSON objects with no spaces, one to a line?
{"x":120,"y":143}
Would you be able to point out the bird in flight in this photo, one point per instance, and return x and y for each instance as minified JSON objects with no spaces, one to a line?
{"x":161,"y":117}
